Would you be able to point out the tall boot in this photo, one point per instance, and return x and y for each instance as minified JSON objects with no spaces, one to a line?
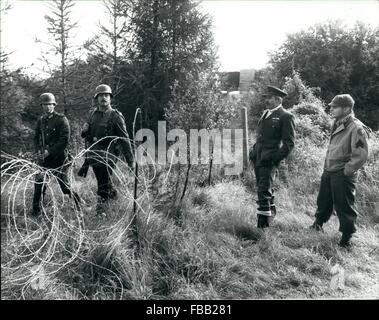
{"x":101,"y":207}
{"x":38,"y":196}
{"x":317,"y":225}
{"x":345,"y":240}
{"x":36,"y":211}
{"x":263,"y":221}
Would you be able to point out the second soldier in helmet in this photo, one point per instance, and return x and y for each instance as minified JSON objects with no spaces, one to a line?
{"x":103,"y":131}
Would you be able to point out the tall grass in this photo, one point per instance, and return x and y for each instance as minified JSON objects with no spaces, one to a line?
{"x":203,"y":247}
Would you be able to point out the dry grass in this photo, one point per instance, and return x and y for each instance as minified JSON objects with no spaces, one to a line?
{"x":206,"y":247}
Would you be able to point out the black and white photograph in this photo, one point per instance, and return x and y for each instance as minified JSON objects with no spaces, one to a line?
{"x":189,"y":154}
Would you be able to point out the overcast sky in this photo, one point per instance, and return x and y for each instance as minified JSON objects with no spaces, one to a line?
{"x":245,"y":31}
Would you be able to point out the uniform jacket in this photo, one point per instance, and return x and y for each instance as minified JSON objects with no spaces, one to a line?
{"x":275,"y":138}
{"x":109,"y":123}
{"x":55,"y":130}
{"x":348,"y":149}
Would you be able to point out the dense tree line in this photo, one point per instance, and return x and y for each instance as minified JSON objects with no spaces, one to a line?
{"x":147,"y":51}
{"x":155,"y":53}
{"x":335,"y":59}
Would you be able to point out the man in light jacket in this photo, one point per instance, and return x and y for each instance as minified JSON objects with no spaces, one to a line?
{"x":347,"y":153}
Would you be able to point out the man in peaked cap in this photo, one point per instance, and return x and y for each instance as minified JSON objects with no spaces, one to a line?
{"x":51,"y":140}
{"x":275,"y":140}
{"x":104,"y":126}
{"x":347,"y":153}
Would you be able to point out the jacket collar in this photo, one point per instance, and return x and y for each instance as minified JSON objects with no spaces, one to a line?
{"x":276,"y":108}
{"x":49,"y":116}
{"x":343,"y":123}
{"x":271,"y":112}
{"x":103,"y":111}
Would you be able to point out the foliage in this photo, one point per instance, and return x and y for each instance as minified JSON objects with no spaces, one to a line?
{"x":60,"y":27}
{"x":166,"y":65}
{"x":19,"y":110}
{"x":108,"y":48}
{"x":311,"y":119}
{"x":215,"y":253}
{"x":254,"y":101}
{"x":200,"y":107}
{"x":298,"y":91}
{"x":171,"y":43}
{"x":230,"y":81}
{"x":336,"y":60}
{"x":147,"y":50}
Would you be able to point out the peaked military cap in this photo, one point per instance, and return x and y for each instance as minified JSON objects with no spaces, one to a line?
{"x":274,"y":91}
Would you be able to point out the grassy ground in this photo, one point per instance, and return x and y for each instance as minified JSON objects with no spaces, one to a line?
{"x":205,"y":247}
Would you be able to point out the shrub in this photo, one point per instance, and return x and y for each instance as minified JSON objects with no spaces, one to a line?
{"x":297,"y":91}
{"x":315,"y":112}
{"x":306,"y":128}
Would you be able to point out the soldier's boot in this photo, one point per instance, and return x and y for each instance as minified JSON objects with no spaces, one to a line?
{"x":37,"y":207}
{"x":101,"y":208}
{"x":36,"y":211}
{"x":113,"y":193}
{"x":39,"y":195}
{"x":83,"y":171}
{"x":345,"y":240}
{"x":263,"y":221}
{"x":273,"y":214}
{"x":317,"y":226}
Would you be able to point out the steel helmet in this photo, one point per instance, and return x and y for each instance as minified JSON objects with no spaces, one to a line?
{"x":342,"y":100}
{"x":47,"y":97}
{"x":103,"y":88}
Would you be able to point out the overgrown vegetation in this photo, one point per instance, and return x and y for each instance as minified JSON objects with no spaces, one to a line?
{"x":335,"y":59}
{"x":198,"y":244}
{"x":205,"y":246}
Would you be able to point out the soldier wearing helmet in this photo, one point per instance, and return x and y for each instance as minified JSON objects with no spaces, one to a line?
{"x":51,"y":140}
{"x":102,"y":132}
{"x":347,"y":153}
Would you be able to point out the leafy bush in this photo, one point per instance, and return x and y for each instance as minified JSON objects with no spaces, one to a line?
{"x":298,"y":91}
{"x":199,"y":106}
{"x":337,"y":59}
{"x":312,"y":121}
{"x":305,"y":128}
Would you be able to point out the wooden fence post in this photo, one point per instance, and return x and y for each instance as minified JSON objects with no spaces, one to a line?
{"x":245,"y":149}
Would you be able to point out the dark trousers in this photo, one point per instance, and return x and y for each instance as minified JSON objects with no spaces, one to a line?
{"x":337,"y":191}
{"x":105,"y":189}
{"x":264,"y":178}
{"x":59,"y":170}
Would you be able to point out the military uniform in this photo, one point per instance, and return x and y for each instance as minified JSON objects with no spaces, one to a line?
{"x":104,"y":127}
{"x":275,"y":140}
{"x":54,"y":132}
{"x":347,"y":152}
